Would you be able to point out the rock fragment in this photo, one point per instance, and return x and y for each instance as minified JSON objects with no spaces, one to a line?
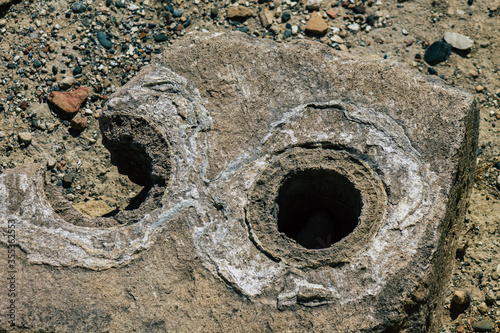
{"x":461,"y":297}
{"x":239,"y":13}
{"x":66,"y":83}
{"x":313,"y":4}
{"x":68,"y":102}
{"x":484,"y":325}
{"x":266,"y":18}
{"x":78,"y":7}
{"x":316,"y":25}
{"x":437,"y":52}
{"x":285,"y":17}
{"x":67,"y":180}
{"x":78,"y":123}
{"x":51,"y":163}
{"x":24,"y":138}
{"x":458,"y":41}
{"x":104,"y":40}
{"x":160,"y":38}
{"x":354,"y":27}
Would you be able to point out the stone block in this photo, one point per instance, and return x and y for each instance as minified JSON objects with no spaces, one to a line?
{"x":291,"y":188}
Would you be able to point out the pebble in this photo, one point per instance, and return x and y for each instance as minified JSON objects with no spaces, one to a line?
{"x":3,"y":23}
{"x":316,"y":25}
{"x":359,"y":9}
{"x":483,"y":308}
{"x":161,"y":38}
{"x":285,"y":17}
{"x":239,"y":13}
{"x":337,"y":39}
{"x":354,"y":27}
{"x":78,"y":7}
{"x":497,"y":272}
{"x":437,"y":52}
{"x":78,"y":123}
{"x":24,"y":138}
{"x":432,"y":71}
{"x":77,"y":71}
{"x":66,"y":83}
{"x":67,"y":180}
{"x":120,"y":4}
{"x":332,"y":14}
{"x":479,"y":88}
{"x":458,"y":41}
{"x":68,"y":102}
{"x":313,"y":4}
{"x":104,"y":40}
{"x":266,"y":18}
{"x":484,"y":325}
{"x":37,"y":63}
{"x":178,"y":13}
{"x":343,"y":48}
{"x":489,"y":297}
{"x":214,"y":12}
{"x":51,"y":163}
{"x":461,"y":297}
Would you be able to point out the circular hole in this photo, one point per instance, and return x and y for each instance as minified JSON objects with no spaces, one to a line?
{"x":318,"y":208}
{"x":138,"y":151}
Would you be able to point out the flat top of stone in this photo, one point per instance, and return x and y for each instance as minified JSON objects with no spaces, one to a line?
{"x":236,"y":73}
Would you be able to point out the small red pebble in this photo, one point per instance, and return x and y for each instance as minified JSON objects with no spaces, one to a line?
{"x":28,"y":49}
{"x":23,"y":105}
{"x":409,"y":42}
{"x":331,"y":13}
{"x":78,"y":123}
{"x":46,"y":49}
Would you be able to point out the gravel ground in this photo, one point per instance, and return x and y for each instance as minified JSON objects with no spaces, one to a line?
{"x":59,"y":45}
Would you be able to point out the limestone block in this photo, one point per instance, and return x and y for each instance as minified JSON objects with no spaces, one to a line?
{"x":290,"y":188}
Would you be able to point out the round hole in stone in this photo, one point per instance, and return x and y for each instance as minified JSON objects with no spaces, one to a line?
{"x":137,"y":150}
{"x":317,"y":207}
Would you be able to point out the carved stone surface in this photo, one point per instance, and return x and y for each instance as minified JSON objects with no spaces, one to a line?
{"x":252,"y":152}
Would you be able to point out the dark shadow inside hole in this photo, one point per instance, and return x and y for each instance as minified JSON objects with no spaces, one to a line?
{"x":318,"y":208}
{"x":136,"y":201}
{"x":131,"y":161}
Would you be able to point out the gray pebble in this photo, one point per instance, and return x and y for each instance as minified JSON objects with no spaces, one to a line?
{"x":24,"y":138}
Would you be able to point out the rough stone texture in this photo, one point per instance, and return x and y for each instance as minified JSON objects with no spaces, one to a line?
{"x":68,"y":102}
{"x":226,"y":129}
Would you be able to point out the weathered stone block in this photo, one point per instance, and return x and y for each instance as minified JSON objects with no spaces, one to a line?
{"x":289,"y":190}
